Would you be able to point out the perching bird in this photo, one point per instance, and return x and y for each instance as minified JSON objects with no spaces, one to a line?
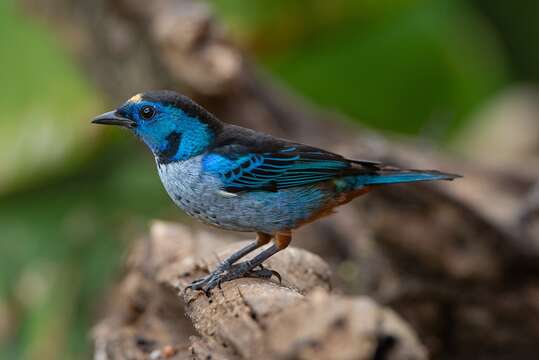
{"x":239,"y":179}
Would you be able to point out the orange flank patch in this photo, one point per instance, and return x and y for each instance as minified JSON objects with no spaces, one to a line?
{"x":347,"y":197}
{"x":282,"y":239}
{"x":331,"y":205}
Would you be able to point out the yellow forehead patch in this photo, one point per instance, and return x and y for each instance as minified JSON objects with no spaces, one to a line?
{"x":135,"y":98}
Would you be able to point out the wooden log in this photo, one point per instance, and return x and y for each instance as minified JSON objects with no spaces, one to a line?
{"x":247,"y":318}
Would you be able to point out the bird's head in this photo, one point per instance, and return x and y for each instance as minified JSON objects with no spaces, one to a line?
{"x":173,"y":126}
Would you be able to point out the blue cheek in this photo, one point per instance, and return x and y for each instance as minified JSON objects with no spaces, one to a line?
{"x":195,"y":135}
{"x":154,"y":133}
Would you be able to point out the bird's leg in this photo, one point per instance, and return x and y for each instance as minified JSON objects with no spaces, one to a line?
{"x":261,"y":239}
{"x":246,"y":268}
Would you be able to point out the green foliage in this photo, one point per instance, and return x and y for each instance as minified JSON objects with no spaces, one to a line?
{"x":64,"y":215}
{"x":61,"y":245}
{"x":46,"y":102}
{"x":395,"y":65}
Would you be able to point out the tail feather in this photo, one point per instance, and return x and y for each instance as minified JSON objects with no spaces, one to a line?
{"x":403,"y":176}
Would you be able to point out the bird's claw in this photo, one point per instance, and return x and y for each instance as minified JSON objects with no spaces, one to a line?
{"x":215,"y":279}
{"x":264,"y":273}
{"x":278,"y":276}
{"x":206,"y":284}
{"x":273,"y":273}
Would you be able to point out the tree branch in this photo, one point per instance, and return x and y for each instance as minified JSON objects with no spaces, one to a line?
{"x":248,"y":318}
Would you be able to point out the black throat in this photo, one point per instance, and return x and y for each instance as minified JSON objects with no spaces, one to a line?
{"x":166,"y":155}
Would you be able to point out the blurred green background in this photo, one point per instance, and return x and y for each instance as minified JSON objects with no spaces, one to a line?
{"x":73,"y":196}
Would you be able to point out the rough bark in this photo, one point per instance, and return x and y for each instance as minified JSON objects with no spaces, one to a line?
{"x":247,"y":318}
{"x":459,"y":261}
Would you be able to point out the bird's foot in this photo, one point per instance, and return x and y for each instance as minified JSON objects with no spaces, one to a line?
{"x":219,"y":276}
{"x":212,"y":278}
{"x":264,"y":273}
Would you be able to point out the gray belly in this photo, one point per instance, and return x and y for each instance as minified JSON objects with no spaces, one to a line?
{"x":200,"y":195}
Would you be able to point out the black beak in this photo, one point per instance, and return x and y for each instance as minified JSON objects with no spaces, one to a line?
{"x":112,"y":118}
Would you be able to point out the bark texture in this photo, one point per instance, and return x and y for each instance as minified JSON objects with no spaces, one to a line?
{"x":458,"y":261}
{"x":247,"y":318}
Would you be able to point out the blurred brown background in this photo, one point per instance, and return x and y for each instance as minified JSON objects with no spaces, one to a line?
{"x":460,"y":76}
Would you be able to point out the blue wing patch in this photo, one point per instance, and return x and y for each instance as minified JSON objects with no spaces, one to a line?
{"x":273,"y":171}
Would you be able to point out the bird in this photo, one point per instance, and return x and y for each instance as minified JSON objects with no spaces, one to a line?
{"x":238,"y":179}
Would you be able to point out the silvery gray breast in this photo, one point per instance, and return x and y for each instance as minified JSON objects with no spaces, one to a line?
{"x":201,"y":195}
{"x":193,"y":191}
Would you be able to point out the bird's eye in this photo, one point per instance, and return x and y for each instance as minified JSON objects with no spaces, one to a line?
{"x":147,"y":112}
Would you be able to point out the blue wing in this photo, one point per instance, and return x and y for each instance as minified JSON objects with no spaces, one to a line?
{"x":282,"y":168}
{"x":245,"y":160}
